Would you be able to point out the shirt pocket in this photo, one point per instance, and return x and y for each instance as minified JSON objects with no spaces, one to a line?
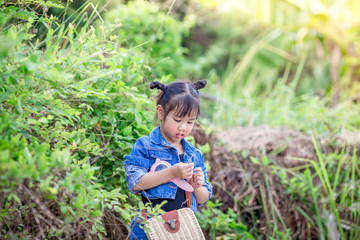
{"x":164,"y":156}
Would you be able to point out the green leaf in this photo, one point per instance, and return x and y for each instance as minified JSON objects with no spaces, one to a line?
{"x":95,"y":213}
{"x":127,"y":130}
{"x":7,"y":14}
{"x":25,"y":15}
{"x":48,"y":4}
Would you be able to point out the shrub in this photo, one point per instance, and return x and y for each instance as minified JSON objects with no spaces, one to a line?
{"x":69,"y":115}
{"x":157,"y":35}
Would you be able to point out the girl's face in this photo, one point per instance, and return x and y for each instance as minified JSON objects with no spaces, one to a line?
{"x":175,"y":128}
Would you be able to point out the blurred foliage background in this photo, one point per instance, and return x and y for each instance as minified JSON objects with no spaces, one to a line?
{"x":74,"y":97}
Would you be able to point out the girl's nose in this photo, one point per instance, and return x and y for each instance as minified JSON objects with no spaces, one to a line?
{"x":182,"y":126}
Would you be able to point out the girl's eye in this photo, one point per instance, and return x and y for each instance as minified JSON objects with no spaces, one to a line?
{"x":190,"y":122}
{"x":177,"y":120}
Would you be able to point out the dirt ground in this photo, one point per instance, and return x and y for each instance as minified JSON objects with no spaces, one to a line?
{"x":242,"y":162}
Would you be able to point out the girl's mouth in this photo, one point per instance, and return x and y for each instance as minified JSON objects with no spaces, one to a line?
{"x":179,"y":135}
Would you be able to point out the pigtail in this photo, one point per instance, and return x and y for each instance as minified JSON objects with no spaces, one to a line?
{"x":200,"y":84}
{"x":158,"y":85}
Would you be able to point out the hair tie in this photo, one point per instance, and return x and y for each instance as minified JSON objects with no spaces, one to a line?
{"x":200,"y":84}
{"x":158,"y":85}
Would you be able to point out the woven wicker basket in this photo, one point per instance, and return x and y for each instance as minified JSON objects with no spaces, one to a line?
{"x":188,"y":227}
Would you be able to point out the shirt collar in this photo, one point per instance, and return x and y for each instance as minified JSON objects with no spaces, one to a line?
{"x":157,"y":138}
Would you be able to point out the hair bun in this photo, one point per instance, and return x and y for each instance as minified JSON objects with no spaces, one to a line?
{"x":200,"y":84}
{"x":158,"y":85}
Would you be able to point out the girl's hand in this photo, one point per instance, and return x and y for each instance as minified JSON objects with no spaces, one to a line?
{"x":183,"y":170}
{"x":197,"y":179}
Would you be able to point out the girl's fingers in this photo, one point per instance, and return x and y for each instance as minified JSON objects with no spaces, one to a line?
{"x":189,"y":170}
{"x":200,"y":174}
{"x":184,"y":170}
{"x":199,"y":178}
{"x":188,"y":165}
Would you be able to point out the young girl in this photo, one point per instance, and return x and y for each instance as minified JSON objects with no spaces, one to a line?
{"x":177,"y":108}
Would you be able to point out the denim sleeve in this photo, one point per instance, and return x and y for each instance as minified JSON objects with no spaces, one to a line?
{"x":207,"y":185}
{"x":136,"y":164}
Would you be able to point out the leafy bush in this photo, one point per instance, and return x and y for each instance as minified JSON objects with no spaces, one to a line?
{"x":44,"y":194}
{"x":69,"y":115}
{"x":157,"y":35}
{"x":218,"y":223}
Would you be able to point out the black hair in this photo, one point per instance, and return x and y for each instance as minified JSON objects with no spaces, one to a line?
{"x":183,"y":96}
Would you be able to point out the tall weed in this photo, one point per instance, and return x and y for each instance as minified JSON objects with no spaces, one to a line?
{"x":327,"y":187}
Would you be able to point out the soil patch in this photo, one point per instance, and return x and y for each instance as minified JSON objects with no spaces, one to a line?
{"x":245,"y":166}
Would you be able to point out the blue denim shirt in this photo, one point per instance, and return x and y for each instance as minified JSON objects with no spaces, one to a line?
{"x":143,"y":155}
